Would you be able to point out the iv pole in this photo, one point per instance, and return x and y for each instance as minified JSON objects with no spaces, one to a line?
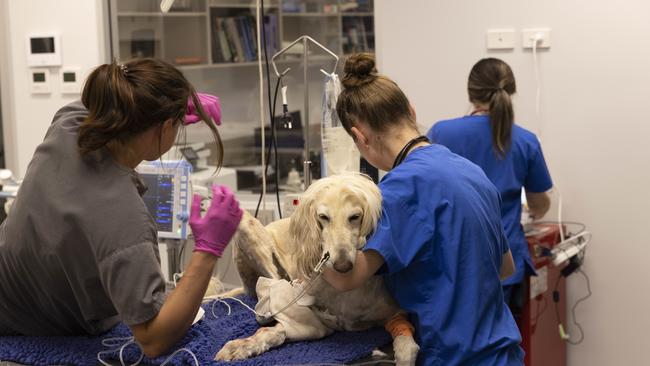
{"x":305,"y":39}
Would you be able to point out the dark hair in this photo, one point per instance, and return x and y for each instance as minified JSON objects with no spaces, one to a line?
{"x":125,"y":100}
{"x":491,"y":82}
{"x":370,"y":97}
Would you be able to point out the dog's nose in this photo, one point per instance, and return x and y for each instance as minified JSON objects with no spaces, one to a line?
{"x":343,"y":265}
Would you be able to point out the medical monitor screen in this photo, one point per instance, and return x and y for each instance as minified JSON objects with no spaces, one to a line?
{"x":42,"y":45}
{"x":159,"y":199}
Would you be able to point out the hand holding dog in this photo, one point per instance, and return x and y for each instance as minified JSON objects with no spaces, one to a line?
{"x":213,"y":232}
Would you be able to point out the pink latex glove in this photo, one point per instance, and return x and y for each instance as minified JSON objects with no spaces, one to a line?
{"x":213,"y":232}
{"x":211,"y":106}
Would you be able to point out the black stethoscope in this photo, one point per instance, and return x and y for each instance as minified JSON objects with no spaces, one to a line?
{"x":409,"y":145}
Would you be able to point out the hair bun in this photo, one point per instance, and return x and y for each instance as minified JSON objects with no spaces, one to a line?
{"x":359,"y":69}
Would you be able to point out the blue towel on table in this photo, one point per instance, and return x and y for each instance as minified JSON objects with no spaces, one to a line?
{"x":204,"y":339}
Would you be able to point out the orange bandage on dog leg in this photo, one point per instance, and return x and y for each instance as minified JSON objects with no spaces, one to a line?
{"x":398,"y":325}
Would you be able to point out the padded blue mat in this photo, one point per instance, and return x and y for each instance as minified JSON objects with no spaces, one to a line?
{"x":205,"y":339}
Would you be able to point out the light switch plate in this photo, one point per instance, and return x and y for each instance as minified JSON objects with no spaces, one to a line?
{"x":500,"y":39}
{"x":39,"y":81}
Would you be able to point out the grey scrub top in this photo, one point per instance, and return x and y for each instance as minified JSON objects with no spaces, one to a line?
{"x":78,"y":251}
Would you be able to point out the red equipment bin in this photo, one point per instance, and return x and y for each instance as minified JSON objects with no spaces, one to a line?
{"x":537,"y":321}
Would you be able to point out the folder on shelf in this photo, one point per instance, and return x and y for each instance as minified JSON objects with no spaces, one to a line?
{"x":234,"y":38}
{"x":226,"y":52}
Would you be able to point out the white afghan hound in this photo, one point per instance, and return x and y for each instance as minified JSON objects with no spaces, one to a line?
{"x":334,"y":216}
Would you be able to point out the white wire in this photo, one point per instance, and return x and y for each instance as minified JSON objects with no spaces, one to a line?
{"x":244,"y":304}
{"x":538,"y":91}
{"x":261,"y":76}
{"x":220,"y":301}
{"x":116,"y":341}
{"x":268,"y":316}
{"x":196,"y":362}
{"x":540,"y":129}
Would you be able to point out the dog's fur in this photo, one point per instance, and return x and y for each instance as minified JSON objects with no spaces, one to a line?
{"x":334,"y":215}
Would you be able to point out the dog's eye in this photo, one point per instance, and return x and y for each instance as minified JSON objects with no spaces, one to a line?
{"x":323,"y":217}
{"x":354,"y":217}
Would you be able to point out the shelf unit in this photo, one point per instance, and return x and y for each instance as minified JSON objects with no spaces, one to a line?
{"x":185,"y":35}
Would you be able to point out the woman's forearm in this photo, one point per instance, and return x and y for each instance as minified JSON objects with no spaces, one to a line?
{"x":159,"y":334}
{"x":366,"y":264}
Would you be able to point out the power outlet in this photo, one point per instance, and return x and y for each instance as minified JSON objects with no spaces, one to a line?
{"x":500,"y":39}
{"x":543,"y":36}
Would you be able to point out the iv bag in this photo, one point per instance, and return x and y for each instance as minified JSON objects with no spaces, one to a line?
{"x":339,"y":152}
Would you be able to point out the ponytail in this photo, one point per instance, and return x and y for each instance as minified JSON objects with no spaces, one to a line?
{"x":125,"y":100}
{"x":109,"y":98}
{"x":501,"y":121}
{"x":492,"y":82}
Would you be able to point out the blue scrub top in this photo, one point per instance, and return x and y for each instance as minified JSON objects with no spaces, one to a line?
{"x":522,"y":166}
{"x":441,"y":237}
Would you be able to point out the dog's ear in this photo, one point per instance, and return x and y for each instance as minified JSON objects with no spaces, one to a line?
{"x":371,"y":196}
{"x":305,"y":233}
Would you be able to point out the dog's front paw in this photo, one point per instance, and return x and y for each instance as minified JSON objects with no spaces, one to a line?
{"x":406,"y":350}
{"x":238,"y":349}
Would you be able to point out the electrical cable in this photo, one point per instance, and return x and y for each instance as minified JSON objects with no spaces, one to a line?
{"x":275,"y":97}
{"x":274,"y":134}
{"x":536,"y":38}
{"x":538,"y":91}
{"x":310,"y":283}
{"x":573,"y":311}
{"x":117,"y":342}
{"x":261,"y":99}
{"x":556,"y":299}
{"x":269,"y":316}
{"x":274,"y":142}
{"x":539,"y":312}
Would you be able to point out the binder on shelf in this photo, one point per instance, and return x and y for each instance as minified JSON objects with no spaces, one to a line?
{"x":234,"y":37}
{"x":226,"y":53}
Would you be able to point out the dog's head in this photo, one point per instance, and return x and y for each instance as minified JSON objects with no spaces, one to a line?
{"x":334,"y":215}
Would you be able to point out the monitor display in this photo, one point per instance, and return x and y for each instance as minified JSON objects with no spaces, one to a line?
{"x":42,"y":45}
{"x":167,"y":194}
{"x":159,"y":199}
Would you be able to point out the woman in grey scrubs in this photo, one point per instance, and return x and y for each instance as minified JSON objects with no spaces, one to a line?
{"x":79,"y":252}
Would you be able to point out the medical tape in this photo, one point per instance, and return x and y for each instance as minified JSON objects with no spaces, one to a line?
{"x":398,"y":325}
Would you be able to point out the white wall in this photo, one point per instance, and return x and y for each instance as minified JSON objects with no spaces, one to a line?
{"x":594,"y":127}
{"x":80,"y":24}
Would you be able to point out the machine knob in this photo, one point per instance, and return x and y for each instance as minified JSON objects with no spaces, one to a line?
{"x":183,"y":216}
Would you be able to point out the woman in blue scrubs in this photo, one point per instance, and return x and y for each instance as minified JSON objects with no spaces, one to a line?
{"x":439,"y":242}
{"x":510,"y":156}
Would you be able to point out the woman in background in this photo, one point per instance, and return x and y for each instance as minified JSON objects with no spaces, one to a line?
{"x":510,"y":156}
